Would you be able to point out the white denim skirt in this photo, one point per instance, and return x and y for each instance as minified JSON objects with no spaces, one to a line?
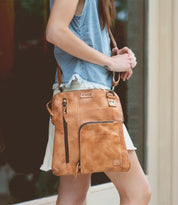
{"x":75,"y":84}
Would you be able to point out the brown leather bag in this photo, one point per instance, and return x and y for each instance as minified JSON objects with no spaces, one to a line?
{"x":88,"y":132}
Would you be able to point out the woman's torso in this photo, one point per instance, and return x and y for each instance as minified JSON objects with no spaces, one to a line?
{"x":87,"y":27}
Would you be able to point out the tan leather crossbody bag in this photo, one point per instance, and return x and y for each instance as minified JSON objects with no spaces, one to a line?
{"x":88,"y":132}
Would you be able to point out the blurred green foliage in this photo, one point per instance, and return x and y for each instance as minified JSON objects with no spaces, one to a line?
{"x":29,"y":19}
{"x":29,"y":7}
{"x":47,"y":184}
{"x":121,"y":9}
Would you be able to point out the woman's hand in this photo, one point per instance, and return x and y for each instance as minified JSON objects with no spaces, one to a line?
{"x":121,"y":63}
{"x":127,"y":74}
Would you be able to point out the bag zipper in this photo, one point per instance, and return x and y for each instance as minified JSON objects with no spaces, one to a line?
{"x":64,"y":110}
{"x":78,"y":168}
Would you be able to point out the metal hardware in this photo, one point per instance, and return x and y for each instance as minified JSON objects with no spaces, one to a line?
{"x":112,"y":87}
{"x":110,"y":91}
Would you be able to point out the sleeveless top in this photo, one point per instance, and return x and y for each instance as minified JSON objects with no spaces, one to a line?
{"x":87,"y":28}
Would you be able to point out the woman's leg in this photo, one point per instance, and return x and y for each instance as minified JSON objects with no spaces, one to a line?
{"x":73,"y":192}
{"x":133,"y":186}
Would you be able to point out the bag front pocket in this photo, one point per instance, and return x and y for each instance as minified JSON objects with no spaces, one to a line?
{"x":101,"y":146}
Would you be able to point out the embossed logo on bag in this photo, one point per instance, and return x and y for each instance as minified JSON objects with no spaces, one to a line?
{"x":86,"y":95}
{"x":116,"y":162}
{"x":112,"y":102}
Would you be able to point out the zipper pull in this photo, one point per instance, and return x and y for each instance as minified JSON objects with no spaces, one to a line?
{"x":64,"y":108}
{"x":77,"y":170}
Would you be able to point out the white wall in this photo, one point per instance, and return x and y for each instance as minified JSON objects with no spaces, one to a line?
{"x":163,"y":101}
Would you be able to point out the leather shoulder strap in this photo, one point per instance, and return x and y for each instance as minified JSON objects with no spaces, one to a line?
{"x":112,"y":38}
{"x":114,"y":82}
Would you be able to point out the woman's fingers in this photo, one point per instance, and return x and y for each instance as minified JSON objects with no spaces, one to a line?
{"x":115,"y":51}
{"x":126,"y":75}
{"x":134,"y":63}
{"x":125,"y":50}
{"x":129,"y":74}
{"x":131,"y":54}
{"x":134,"y":60}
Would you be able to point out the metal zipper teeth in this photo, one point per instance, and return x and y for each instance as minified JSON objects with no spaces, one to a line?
{"x":79,"y":162}
{"x":65,"y":127}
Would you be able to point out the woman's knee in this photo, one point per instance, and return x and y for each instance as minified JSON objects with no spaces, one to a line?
{"x":140,"y":196}
{"x":144,"y":194}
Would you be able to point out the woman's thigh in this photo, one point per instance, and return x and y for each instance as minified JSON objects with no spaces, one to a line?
{"x":132,"y":183}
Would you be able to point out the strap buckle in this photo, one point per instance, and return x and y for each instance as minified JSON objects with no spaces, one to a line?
{"x":110,"y":91}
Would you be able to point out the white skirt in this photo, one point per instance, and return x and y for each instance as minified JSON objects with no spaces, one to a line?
{"x":74,"y":85}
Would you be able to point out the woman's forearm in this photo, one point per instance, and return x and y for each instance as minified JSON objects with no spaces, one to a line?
{"x":65,"y":39}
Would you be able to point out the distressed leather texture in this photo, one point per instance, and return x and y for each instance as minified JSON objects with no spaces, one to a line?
{"x":88,"y":132}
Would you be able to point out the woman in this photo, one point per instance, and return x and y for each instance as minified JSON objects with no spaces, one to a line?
{"x":79,"y":31}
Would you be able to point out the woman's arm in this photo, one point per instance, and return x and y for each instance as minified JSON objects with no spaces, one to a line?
{"x":58,"y":33}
